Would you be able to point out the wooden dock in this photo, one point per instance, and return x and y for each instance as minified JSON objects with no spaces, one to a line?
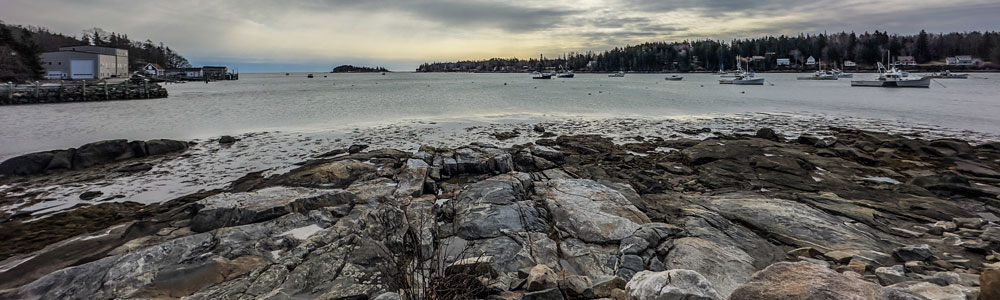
{"x":35,"y":93}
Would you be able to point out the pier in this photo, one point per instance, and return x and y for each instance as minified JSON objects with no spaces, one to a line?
{"x":83,"y":91}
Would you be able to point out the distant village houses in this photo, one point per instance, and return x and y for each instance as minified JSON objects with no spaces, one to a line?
{"x":960,"y":60}
{"x":906,"y":60}
{"x":155,"y":70}
{"x":85,"y":62}
{"x":784,"y":62}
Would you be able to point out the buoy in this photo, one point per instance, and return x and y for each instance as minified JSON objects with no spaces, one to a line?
{"x":743,"y":92}
{"x":504,"y":83}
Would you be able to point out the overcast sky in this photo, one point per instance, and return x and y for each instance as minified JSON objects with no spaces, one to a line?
{"x":314,"y":35}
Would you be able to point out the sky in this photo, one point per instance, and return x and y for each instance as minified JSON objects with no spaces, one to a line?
{"x":315,"y":35}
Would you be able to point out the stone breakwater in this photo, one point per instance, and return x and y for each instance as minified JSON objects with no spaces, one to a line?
{"x":854,"y":215}
{"x":35,"y":94}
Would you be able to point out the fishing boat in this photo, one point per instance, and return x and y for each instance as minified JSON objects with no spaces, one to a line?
{"x":948,"y":75}
{"x":619,"y":74}
{"x":840,"y":73}
{"x":743,"y":77}
{"x":674,"y":78}
{"x":540,"y":75}
{"x":567,"y":74}
{"x":821,"y":75}
{"x":894,"y":78}
{"x":309,"y":76}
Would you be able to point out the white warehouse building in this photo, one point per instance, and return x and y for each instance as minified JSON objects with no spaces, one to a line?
{"x":85,"y":62}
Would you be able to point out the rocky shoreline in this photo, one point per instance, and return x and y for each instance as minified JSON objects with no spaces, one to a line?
{"x":847,"y":215}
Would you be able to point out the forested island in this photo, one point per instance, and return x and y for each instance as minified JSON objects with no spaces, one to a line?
{"x":27,"y":43}
{"x":354,"y":69}
{"x":708,"y":55}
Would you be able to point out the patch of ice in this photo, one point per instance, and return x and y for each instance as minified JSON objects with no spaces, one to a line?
{"x":302,"y":233}
{"x":440,"y":202}
{"x":665,"y":149}
{"x":769,"y":155}
{"x":881,"y":179}
{"x":820,"y":169}
{"x":276,"y":254}
{"x":817,"y":179}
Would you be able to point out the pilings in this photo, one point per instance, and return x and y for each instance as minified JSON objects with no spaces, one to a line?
{"x":11,"y":94}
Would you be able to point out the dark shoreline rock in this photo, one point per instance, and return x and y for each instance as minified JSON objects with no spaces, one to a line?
{"x":87,"y":156}
{"x":729,"y":217}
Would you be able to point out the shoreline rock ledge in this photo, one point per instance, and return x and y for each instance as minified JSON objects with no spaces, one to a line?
{"x":856,"y":215}
{"x":87,"y":156}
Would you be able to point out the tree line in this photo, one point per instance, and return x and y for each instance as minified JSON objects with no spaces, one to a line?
{"x":865,"y":49}
{"x":22,"y":46}
{"x":355,"y":69}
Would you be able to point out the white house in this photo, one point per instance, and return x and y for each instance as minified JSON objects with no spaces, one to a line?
{"x":152,"y":69}
{"x":784,"y":62}
{"x":961,"y":60}
{"x":850,"y":64}
{"x":811,"y":61}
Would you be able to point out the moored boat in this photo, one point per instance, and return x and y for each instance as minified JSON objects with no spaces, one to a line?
{"x":948,"y":75}
{"x":674,"y":78}
{"x":309,"y":76}
{"x":567,"y":74}
{"x":894,"y":78}
{"x":821,"y":75}
{"x":619,"y":74}
{"x":539,"y":75}
{"x":840,"y":74}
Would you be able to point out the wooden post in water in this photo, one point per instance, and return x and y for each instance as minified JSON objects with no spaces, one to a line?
{"x":10,"y":92}
{"x":38,"y":95}
{"x":83,"y":90}
{"x":145,"y":88}
{"x":62,"y":91}
{"x":106,"y":90}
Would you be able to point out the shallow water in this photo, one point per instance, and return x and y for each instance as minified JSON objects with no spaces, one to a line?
{"x":267,"y":102}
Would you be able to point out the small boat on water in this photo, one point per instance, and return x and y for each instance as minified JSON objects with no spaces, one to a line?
{"x":742,"y":77}
{"x":567,"y":74}
{"x":674,"y":78}
{"x":821,"y":75}
{"x":894,"y":78}
{"x":619,"y":74}
{"x":309,"y":76}
{"x":540,"y":75}
{"x":948,"y":75}
{"x":840,"y":74}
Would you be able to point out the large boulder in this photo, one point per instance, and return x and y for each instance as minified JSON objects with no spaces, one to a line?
{"x":491,"y":208}
{"x":336,"y":174}
{"x":726,"y":267}
{"x":795,"y":223}
{"x":411,"y":178}
{"x":673,"y":284}
{"x":803,"y":280}
{"x":590,"y":211}
{"x":476,"y":159}
{"x":162,"y":146}
{"x":102,"y":152}
{"x":28,"y":164}
{"x":231,"y":209}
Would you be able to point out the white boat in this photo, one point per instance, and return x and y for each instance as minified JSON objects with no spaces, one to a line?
{"x":743,"y":77}
{"x":894,"y":78}
{"x":539,"y":75}
{"x":674,"y":78}
{"x":948,"y":75}
{"x":619,"y":74}
{"x":841,"y":74}
{"x":567,"y":74}
{"x":821,"y":75}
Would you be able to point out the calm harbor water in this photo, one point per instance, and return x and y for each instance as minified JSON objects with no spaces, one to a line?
{"x":265,"y":102}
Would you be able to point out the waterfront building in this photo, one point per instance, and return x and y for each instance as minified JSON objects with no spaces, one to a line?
{"x":784,"y":62}
{"x":85,"y":62}
{"x":154,"y":70}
